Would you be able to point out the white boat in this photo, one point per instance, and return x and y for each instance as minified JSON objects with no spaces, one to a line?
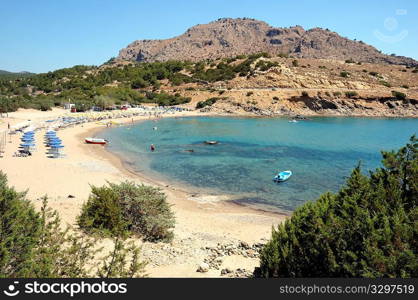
{"x":282,"y":176}
{"x":90,"y":140}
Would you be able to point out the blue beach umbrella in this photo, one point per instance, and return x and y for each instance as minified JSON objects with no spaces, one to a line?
{"x":54,"y":139}
{"x":57,"y":146}
{"x":27,"y":144}
{"x":54,"y":142}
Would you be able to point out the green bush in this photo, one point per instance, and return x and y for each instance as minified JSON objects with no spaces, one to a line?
{"x":250,"y":94}
{"x":128,"y":208}
{"x":344,"y":74}
{"x":337,"y":94}
{"x":265,"y":65}
{"x":375,"y":74}
{"x":295,"y":63}
{"x":367,"y":229}
{"x":349,"y":61}
{"x":283,"y":55}
{"x":164,"y":99}
{"x":33,"y":244}
{"x":305,"y":94}
{"x":208,"y":102}
{"x":20,"y":229}
{"x":399,"y":95}
{"x":351,"y":94}
{"x":385,"y":83}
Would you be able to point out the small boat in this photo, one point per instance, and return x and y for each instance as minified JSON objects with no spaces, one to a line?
{"x":211,"y":142}
{"x":96,"y":141}
{"x":293,"y":121}
{"x":282,"y":176}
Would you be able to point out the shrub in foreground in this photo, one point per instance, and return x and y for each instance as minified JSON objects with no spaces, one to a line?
{"x":128,"y":208}
{"x":33,"y":244}
{"x":368,"y":229}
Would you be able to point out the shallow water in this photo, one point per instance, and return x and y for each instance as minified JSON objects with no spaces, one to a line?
{"x":320,"y":152}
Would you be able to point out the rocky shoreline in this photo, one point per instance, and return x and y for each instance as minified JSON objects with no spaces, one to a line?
{"x":315,"y":106}
{"x":207,"y":258}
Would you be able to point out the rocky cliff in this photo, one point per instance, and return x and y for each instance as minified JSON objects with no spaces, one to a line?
{"x":231,"y":37}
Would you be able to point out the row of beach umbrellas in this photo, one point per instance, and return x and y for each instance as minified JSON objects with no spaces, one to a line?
{"x":71,"y":119}
{"x":28,"y":141}
{"x":54,"y":143}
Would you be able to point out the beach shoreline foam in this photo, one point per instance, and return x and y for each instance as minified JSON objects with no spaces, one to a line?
{"x":202,"y":222}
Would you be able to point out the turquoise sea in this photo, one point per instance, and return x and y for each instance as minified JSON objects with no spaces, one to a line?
{"x":321,"y":153}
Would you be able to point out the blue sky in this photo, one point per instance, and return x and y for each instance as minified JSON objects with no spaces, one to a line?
{"x":44,"y":35}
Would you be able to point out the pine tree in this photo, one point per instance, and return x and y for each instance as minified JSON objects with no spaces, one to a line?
{"x":20,"y":230}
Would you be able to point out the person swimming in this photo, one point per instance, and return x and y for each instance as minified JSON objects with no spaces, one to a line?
{"x":152,"y":147}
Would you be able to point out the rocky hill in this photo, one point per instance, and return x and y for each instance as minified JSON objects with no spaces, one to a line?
{"x":232,"y":37}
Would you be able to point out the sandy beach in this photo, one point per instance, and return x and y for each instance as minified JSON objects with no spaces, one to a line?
{"x":203,"y":222}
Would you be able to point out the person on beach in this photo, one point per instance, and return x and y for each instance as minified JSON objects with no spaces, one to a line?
{"x":152,"y":148}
